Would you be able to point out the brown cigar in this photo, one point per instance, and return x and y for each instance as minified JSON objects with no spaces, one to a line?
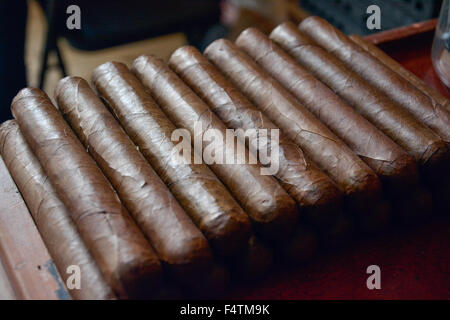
{"x":314,"y":191}
{"x":30,"y":269}
{"x":440,"y":192}
{"x":354,"y":178}
{"x":422,"y":143}
{"x":177,"y":241}
{"x":51,"y":216}
{"x":124,"y":256}
{"x":379,"y":75}
{"x":393,"y":165}
{"x":198,"y":190}
{"x":272,"y":210}
{"x":435,"y":97}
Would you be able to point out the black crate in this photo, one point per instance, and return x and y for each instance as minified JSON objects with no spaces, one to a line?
{"x":350,"y":15}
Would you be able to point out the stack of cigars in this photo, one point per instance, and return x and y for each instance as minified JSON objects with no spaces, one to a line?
{"x":362,"y":142}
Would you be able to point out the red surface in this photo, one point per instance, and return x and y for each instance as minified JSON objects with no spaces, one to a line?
{"x":417,"y":60}
{"x":415,"y":263}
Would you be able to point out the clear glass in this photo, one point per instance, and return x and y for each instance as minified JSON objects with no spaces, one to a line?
{"x":441,"y":45}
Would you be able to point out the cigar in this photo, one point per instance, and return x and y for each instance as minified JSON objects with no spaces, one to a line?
{"x":440,"y":192}
{"x":179,"y":244}
{"x":434,"y":96}
{"x":204,"y":198}
{"x":419,"y":141}
{"x":127,"y":261}
{"x":272,"y":211}
{"x":378,"y":75}
{"x":316,"y":194}
{"x":396,"y":169}
{"x":354,"y":178}
{"x":51,"y":216}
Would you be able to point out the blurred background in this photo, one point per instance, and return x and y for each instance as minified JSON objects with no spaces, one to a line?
{"x":37,"y":48}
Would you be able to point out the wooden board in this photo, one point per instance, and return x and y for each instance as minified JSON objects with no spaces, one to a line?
{"x":26,"y":260}
{"x":6,"y":289}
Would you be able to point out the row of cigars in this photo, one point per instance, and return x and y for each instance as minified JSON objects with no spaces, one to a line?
{"x":361,"y":139}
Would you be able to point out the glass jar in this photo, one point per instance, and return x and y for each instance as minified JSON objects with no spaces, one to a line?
{"x":441,"y":45}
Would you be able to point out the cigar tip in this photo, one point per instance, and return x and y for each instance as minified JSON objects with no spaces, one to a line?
{"x":61,"y":86}
{"x":285,"y":25}
{"x":27,"y":92}
{"x":5,"y":128}
{"x":106,"y":67}
{"x":249,"y":32}
{"x":139,"y":62}
{"x":437,"y":155}
{"x":8,"y":123}
{"x":185,"y":57}
{"x":280,"y":218}
{"x":311,"y":19}
{"x":183,"y":51}
{"x":141,"y":58}
{"x":110,"y":64}
{"x":217,"y":45}
{"x":145,"y":60}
